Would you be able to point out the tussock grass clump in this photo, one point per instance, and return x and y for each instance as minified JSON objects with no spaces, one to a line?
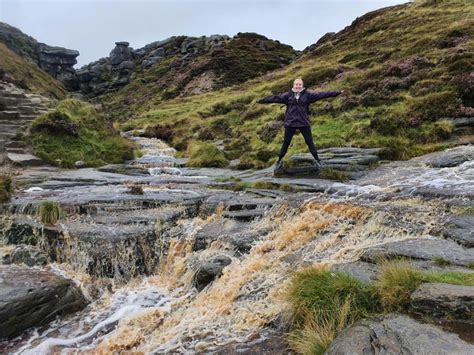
{"x":6,"y":187}
{"x":49,"y":212}
{"x":398,"y":279}
{"x":206,"y":154}
{"x":323,"y":303}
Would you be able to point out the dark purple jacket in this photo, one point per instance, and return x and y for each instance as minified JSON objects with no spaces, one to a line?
{"x":297,"y":110}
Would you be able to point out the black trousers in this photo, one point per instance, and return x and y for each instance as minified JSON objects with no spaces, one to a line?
{"x":308,"y":138}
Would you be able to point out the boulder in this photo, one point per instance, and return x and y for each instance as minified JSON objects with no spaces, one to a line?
{"x":80,"y":164}
{"x":397,"y":334}
{"x":209,"y":271}
{"x":443,"y":301}
{"x":32,"y":297}
{"x":121,"y":53}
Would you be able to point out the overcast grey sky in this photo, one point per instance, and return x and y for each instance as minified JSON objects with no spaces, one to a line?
{"x":92,"y":26}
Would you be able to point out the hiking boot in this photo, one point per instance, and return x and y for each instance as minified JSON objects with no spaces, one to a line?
{"x":317,"y":164}
{"x":278,"y":166}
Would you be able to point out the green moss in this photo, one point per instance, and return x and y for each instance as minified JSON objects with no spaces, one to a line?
{"x":77,"y":131}
{"x":6,"y":187}
{"x":205,"y":154}
{"x":333,"y":174}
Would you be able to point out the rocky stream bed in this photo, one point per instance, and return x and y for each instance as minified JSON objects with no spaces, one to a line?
{"x":187,"y":265}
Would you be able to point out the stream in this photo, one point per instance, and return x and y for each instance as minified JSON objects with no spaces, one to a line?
{"x":148,"y":303}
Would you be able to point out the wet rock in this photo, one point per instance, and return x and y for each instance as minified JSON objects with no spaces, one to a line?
{"x":421,"y":248}
{"x":269,"y":343}
{"x":397,"y":334}
{"x":461,"y":229}
{"x":364,"y":272}
{"x":448,"y":158}
{"x":25,"y":254}
{"x":32,"y":297}
{"x":238,"y":234}
{"x":209,"y":271}
{"x":440,"y":300}
{"x":20,"y":230}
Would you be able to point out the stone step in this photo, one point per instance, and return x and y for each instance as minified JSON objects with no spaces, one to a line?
{"x":15,"y":144}
{"x":12,"y":94}
{"x":24,"y":159}
{"x":11,"y":101}
{"x":9,"y":114}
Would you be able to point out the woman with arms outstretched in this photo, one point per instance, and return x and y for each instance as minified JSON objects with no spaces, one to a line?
{"x":297,"y":102}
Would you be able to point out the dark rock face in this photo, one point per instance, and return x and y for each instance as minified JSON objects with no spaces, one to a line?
{"x":397,"y":334}
{"x":117,"y":70}
{"x":56,"y":61}
{"x":209,"y":271}
{"x":32,"y":297}
{"x":59,"y":62}
{"x":443,"y":301}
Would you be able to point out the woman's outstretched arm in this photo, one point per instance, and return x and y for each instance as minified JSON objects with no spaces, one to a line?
{"x":278,"y":99}
{"x":315,"y":96}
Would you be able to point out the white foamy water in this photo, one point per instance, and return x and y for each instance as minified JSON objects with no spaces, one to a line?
{"x":97,"y":321}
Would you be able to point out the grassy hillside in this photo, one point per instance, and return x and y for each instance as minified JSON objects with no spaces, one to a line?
{"x":405,"y":69}
{"x":28,"y":75}
{"x":78,"y":131}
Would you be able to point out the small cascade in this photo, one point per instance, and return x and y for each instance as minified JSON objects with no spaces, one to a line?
{"x":85,"y":329}
{"x":158,"y":157}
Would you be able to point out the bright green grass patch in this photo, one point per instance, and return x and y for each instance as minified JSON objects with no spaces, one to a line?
{"x":206,"y":154}
{"x":78,"y":131}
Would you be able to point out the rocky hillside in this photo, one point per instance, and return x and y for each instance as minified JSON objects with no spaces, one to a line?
{"x":58,"y":62}
{"x":179,"y":66}
{"x":406,"y":70}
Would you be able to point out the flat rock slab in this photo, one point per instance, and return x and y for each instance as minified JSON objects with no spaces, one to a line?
{"x":441,"y":300}
{"x":461,"y":229}
{"x":397,"y":334}
{"x":32,"y":297}
{"x":364,"y":272}
{"x":421,"y":248}
{"x":24,"y":159}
